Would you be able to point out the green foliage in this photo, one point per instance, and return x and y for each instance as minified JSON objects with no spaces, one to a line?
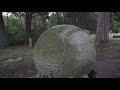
{"x":115,"y":26}
{"x":85,"y":20}
{"x":55,"y":19}
{"x":115,"y":22}
{"x":39,"y":25}
{"x":15,"y":30}
{"x":41,"y":21}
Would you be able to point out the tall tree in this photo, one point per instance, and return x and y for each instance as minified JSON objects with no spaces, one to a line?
{"x":28,"y":28}
{"x":44,"y":16}
{"x":3,"y":35}
{"x":102,"y":34}
{"x":85,"y":20}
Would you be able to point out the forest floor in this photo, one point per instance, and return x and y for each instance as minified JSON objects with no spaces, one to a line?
{"x":108,"y":60}
{"x":17,"y":62}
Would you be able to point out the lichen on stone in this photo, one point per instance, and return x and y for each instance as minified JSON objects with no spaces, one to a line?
{"x":66,"y":49}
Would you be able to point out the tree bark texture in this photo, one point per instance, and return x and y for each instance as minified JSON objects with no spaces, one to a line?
{"x":102,"y":33}
{"x":28,"y":26}
{"x":3,"y":35}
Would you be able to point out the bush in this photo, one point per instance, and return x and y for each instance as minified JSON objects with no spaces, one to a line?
{"x":14,"y":27}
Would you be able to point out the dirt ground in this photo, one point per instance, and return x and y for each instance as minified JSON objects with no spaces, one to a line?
{"x":108,"y":60}
{"x":17,"y":62}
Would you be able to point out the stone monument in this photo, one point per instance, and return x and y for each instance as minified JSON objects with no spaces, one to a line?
{"x":64,"y":51}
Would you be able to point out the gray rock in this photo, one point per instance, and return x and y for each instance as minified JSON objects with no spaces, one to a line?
{"x":64,"y":51}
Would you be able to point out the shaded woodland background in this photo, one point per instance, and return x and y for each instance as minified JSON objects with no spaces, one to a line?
{"x":18,"y":27}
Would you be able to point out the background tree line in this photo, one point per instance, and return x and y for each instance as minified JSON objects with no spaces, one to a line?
{"x":17,"y":27}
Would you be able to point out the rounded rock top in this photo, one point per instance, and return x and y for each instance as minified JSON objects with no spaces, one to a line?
{"x":64,"y":51}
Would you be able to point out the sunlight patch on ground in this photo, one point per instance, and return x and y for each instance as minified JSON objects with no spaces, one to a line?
{"x":11,"y":60}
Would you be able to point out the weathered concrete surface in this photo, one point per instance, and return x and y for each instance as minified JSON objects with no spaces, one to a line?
{"x":64,"y":51}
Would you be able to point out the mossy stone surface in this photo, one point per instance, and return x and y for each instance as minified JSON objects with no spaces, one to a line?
{"x":64,"y":51}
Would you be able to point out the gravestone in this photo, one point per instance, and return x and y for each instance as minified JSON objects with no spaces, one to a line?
{"x":64,"y":51}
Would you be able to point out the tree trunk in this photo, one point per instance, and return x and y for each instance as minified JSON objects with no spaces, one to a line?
{"x":7,"y":26}
{"x":58,"y":18}
{"x":28,"y":28}
{"x":102,"y":33}
{"x":44,"y":27}
{"x":34,"y":21}
{"x":3,"y":35}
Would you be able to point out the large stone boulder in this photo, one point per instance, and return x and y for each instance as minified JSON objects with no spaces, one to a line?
{"x":64,"y":51}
